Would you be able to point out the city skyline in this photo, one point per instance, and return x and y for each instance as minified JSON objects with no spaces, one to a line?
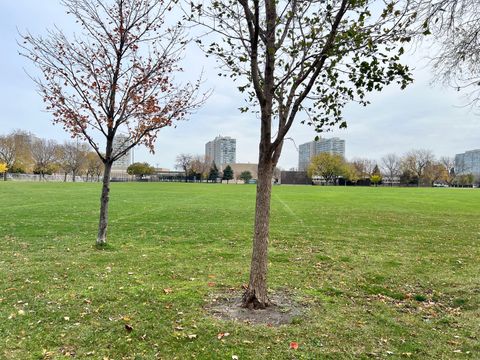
{"x":421,"y":116}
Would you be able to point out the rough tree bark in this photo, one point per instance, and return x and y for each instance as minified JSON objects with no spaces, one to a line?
{"x":256,"y":296}
{"x":105,"y":195}
{"x":104,"y":200}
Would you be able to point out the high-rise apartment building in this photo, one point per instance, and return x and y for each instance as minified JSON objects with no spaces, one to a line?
{"x":468,"y":163}
{"x":222,"y":150}
{"x":308,"y":150}
{"x":121,"y":142}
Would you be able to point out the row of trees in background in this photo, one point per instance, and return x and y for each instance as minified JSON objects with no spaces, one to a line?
{"x":202,"y":168}
{"x":417,"y":167}
{"x":23,"y":152}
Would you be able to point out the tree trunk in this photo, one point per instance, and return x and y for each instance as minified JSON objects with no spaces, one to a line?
{"x":5,"y":176}
{"x":103,"y":223}
{"x":65,"y":177}
{"x":73,"y":176}
{"x":255,"y":297}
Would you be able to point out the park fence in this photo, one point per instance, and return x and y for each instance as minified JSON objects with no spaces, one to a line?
{"x":51,"y":178}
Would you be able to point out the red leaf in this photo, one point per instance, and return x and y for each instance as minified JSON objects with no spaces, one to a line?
{"x":294,"y":345}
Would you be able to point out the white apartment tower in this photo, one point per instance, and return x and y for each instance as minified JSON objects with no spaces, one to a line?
{"x":121,"y":142}
{"x":468,"y":163}
{"x":222,"y":150}
{"x":308,"y":150}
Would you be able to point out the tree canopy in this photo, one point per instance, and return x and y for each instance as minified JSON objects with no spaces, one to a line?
{"x":227,"y":173}
{"x":327,"y":166}
{"x":246,"y":176}
{"x":140,"y":169}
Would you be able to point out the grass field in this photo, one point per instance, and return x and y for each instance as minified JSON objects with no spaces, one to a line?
{"x":379,"y":272}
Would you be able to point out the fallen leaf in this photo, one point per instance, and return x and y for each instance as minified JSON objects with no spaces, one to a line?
{"x":222,"y":335}
{"x":129,"y":328}
{"x":294,"y":345}
{"x":211,"y":284}
{"x":21,"y":312}
{"x":167,"y":290}
{"x":66,"y":318}
{"x":192,"y":336}
{"x":234,"y":357}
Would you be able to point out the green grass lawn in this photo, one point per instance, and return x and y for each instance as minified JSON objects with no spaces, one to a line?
{"x":380,"y":272}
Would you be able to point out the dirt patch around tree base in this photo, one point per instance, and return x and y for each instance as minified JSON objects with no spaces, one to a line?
{"x":283,"y":310}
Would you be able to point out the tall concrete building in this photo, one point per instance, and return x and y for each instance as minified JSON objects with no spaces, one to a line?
{"x":308,"y":150}
{"x":468,"y":163}
{"x":121,"y":142}
{"x":222,"y":150}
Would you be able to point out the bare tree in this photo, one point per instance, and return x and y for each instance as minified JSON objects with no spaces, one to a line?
{"x":294,"y":57}
{"x":455,"y":27}
{"x":116,"y":76}
{"x":364,"y":167}
{"x":391,"y":165}
{"x":8,"y":152}
{"x":15,"y":149}
{"x":416,"y":162}
{"x":94,"y":166}
{"x":72,"y":157}
{"x":44,"y":154}
{"x":435,"y":172}
{"x":449,"y":165}
{"x":200,"y":164}
{"x":184,"y":162}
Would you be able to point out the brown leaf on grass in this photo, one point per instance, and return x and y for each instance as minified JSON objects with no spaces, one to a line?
{"x":211,"y":284}
{"x":222,"y":335}
{"x":167,"y":291}
{"x":129,"y":328}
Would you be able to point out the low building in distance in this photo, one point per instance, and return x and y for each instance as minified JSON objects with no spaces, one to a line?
{"x":308,"y":150}
{"x":238,"y":168}
{"x":222,"y":150}
{"x":468,"y":163}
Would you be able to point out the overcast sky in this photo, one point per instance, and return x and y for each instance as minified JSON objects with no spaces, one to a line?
{"x":422,"y":116}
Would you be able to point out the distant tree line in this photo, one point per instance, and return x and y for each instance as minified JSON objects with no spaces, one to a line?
{"x":417,"y":167}
{"x":23,"y":152}
{"x":202,"y":168}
